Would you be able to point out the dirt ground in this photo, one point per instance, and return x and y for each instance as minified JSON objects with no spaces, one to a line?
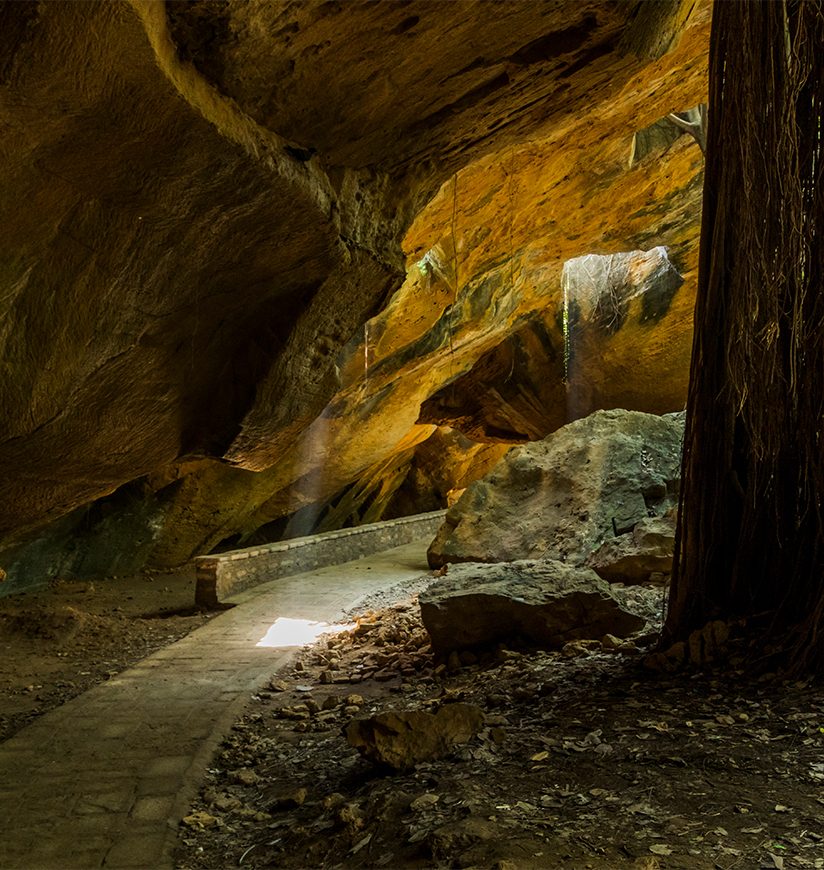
{"x":58,"y":642}
{"x":586,"y":761}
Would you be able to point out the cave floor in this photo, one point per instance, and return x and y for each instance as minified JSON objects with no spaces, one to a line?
{"x":586,"y":761}
{"x":212,"y":752}
{"x":104,"y":778}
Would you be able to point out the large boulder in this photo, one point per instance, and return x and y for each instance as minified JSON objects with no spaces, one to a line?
{"x":562,"y":497}
{"x":639,"y":555}
{"x":542,"y":603}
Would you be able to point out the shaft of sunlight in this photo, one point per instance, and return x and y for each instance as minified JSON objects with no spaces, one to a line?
{"x":285,"y":631}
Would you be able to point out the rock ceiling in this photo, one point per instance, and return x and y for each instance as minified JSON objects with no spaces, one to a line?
{"x":254,"y":252}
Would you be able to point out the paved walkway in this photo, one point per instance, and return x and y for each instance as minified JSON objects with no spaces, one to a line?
{"x":105,"y":779}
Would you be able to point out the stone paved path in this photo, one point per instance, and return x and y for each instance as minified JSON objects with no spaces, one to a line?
{"x":105,"y":779}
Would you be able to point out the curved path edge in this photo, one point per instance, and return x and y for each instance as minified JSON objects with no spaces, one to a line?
{"x":104,"y":780}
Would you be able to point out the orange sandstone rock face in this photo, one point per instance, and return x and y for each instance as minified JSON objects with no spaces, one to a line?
{"x":209,"y":210}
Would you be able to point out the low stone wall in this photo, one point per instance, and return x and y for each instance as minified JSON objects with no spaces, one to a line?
{"x":222,"y":575}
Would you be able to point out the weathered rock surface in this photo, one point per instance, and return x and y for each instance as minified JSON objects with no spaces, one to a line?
{"x":400,"y":739}
{"x":167,"y":271}
{"x":423,"y":478}
{"x":633,"y":557}
{"x":543,"y":603}
{"x":549,"y":373}
{"x":562,"y":497}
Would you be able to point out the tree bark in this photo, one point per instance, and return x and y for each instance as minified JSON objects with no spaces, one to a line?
{"x":750,"y":541}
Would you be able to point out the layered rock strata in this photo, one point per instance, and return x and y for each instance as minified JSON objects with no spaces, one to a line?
{"x":208,"y":212}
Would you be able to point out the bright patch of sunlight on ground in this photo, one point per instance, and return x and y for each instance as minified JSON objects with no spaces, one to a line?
{"x":298,"y":632}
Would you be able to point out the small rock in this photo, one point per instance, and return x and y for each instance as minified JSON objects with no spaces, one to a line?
{"x":288,"y":799}
{"x":352,"y":816}
{"x":297,"y":711}
{"x":402,"y":739}
{"x":200,"y":820}
{"x":574,"y":649}
{"x":424,"y":801}
{"x":331,"y":801}
{"x":244,"y":777}
{"x":225,"y":803}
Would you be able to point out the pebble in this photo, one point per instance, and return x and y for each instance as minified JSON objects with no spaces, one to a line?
{"x":333,"y":800}
{"x":298,"y":711}
{"x":424,"y":801}
{"x":244,"y":776}
{"x":290,"y":799}
{"x":200,"y":819}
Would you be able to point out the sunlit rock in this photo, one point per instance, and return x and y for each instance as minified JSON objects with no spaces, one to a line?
{"x":224,"y":299}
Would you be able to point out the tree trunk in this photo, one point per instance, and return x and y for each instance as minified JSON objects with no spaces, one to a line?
{"x":750,"y":541}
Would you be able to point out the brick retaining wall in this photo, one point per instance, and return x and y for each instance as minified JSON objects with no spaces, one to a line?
{"x":222,"y":575}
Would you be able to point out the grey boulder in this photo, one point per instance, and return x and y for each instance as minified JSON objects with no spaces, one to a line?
{"x":539,"y":603}
{"x":639,"y":556}
{"x":562,"y":497}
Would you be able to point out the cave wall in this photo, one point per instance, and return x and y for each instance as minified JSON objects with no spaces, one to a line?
{"x":244,"y":242}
